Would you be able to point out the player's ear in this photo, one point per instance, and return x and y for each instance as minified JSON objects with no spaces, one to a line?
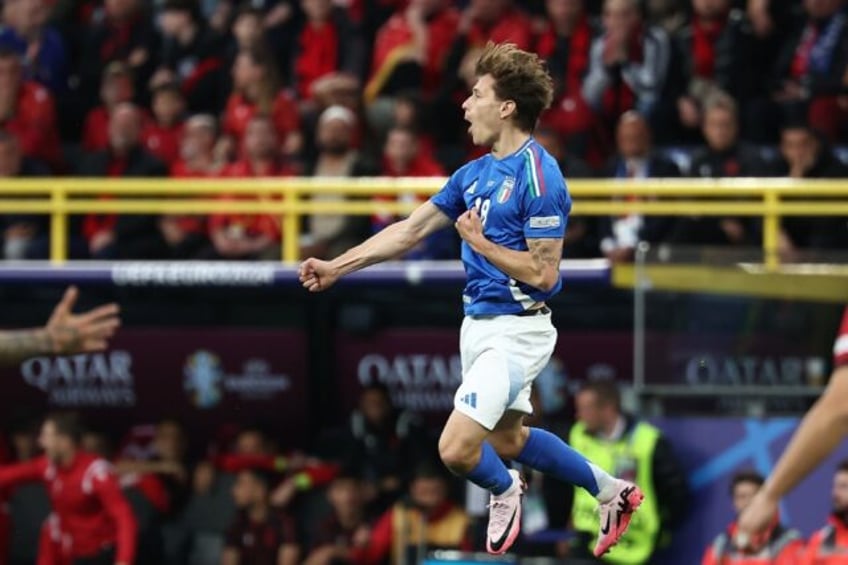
{"x":508,"y":108}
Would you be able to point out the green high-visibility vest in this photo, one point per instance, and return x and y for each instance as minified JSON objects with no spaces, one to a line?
{"x":631,"y":455}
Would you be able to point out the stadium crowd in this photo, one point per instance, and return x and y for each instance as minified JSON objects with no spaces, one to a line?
{"x":189,"y":88}
{"x":369,"y":492}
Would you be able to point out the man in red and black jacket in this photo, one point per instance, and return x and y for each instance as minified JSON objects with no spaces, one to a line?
{"x":91,"y":522}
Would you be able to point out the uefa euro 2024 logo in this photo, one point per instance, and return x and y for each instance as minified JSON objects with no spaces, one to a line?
{"x":202,"y":378}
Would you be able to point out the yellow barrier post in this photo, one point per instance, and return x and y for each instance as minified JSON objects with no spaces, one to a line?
{"x":58,"y":225}
{"x":771,"y":231}
{"x":291,"y":226}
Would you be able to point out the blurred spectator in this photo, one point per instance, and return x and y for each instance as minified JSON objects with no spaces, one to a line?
{"x":565,"y":45}
{"x":707,"y":40}
{"x":327,"y":43}
{"x":384,"y":443}
{"x":635,"y":451}
{"x":167,"y":461}
{"x":24,"y":236}
{"x":812,"y":68}
{"x":636,"y":159}
{"x":28,"y":505}
{"x":161,"y":136}
{"x":481,"y":21}
{"x":669,"y":15}
{"x":260,"y":535}
{"x":424,"y":521}
{"x":628,"y":66}
{"x":747,"y":55}
{"x":251,"y":236}
{"x":256,"y":90}
{"x":829,"y":545}
{"x":403,"y":157}
{"x":410,"y":53}
{"x":186,"y":235}
{"x":192,"y":55}
{"x":327,"y":235}
{"x":805,"y":155}
{"x":346,"y":528}
{"x":116,"y":87}
{"x":121,"y":32}
{"x":581,"y":237}
{"x":92,"y":521}
{"x":247,"y":31}
{"x":110,"y":236}
{"x":197,"y":148}
{"x":781,"y":546}
{"x":28,"y":112}
{"x":723,"y":157}
{"x":41,"y":47}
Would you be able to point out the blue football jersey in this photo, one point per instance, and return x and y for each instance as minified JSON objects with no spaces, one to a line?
{"x":522,"y":196}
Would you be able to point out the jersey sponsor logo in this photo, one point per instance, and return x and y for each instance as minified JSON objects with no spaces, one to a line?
{"x":506,"y":190}
{"x":541,"y":222}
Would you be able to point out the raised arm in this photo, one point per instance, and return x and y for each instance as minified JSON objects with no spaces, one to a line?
{"x":317,"y":275}
{"x":64,"y":333}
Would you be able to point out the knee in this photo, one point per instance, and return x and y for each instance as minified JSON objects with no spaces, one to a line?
{"x":458,"y":454}
{"x":509,"y":443}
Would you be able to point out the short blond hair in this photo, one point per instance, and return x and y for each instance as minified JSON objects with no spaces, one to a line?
{"x":519,"y":76}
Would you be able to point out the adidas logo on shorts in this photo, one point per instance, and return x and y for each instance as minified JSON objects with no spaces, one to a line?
{"x":470,"y":399}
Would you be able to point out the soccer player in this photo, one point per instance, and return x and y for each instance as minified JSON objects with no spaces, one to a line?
{"x":818,"y":435}
{"x":510,"y":207}
{"x":65,"y":333}
{"x":91,"y":522}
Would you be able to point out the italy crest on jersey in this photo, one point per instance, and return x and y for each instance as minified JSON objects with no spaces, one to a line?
{"x":505,"y":190}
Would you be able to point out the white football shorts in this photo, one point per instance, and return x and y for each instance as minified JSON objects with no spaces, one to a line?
{"x":501,"y":357}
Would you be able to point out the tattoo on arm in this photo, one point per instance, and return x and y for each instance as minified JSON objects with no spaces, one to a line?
{"x":545,"y":252}
{"x":18,"y":345}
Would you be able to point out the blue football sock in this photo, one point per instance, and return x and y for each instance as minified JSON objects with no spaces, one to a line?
{"x":547,"y":453}
{"x":491,"y":472}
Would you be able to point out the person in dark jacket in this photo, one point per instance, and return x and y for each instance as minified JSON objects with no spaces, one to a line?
{"x":131,"y":236}
{"x":724,"y":156}
{"x":635,"y":160}
{"x":806,"y":155}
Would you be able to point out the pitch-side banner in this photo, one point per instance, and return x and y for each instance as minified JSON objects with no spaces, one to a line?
{"x":205,"y":377}
{"x":422,"y":367}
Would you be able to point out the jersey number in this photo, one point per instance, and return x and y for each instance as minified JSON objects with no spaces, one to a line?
{"x":482,"y":207}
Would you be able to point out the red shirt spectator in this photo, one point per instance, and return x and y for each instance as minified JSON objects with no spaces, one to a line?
{"x":494,"y":23}
{"x":163,"y":141}
{"x":327,"y":43}
{"x":396,"y":43}
{"x":27,"y":111}
{"x":251,"y":225}
{"x":116,"y":87}
{"x":566,"y":47}
{"x":240,"y":110}
{"x":89,"y":511}
{"x":256,"y":91}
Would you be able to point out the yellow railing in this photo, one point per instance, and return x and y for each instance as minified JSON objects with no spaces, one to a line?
{"x":288,"y":198}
